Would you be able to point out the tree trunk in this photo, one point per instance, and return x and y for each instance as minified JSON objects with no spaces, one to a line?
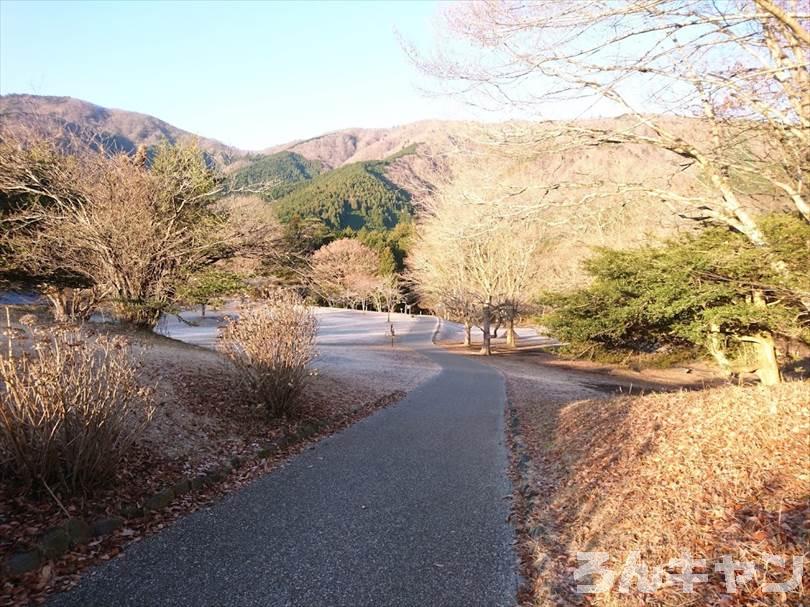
{"x":511,"y":334}
{"x":802,"y":206}
{"x":137,"y":315}
{"x":716,"y":349}
{"x":71,"y":304}
{"x":58,"y":304}
{"x":467,"y":333}
{"x":767,"y":366}
{"x":486,"y":346}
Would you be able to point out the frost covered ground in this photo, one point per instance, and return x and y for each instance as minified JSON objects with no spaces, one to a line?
{"x":350,"y":343}
{"x":453,"y":333}
{"x":202,"y":421}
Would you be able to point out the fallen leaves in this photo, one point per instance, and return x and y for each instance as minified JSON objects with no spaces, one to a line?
{"x":712,"y":471}
{"x":200,"y":424}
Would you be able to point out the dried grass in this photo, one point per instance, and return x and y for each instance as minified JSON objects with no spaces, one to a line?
{"x":714,"y":472}
{"x":70,"y":409}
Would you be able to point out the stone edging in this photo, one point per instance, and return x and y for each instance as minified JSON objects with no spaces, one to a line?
{"x":56,"y":542}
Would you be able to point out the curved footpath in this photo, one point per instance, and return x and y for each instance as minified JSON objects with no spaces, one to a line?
{"x":406,"y":507}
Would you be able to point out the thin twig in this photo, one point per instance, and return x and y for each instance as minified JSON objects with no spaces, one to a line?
{"x":56,"y":499}
{"x":8,"y":332}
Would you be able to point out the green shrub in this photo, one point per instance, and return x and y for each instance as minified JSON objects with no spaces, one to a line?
{"x":712,"y":290}
{"x":209,"y":287}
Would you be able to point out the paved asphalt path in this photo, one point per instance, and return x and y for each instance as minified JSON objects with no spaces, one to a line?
{"x":404,"y":508}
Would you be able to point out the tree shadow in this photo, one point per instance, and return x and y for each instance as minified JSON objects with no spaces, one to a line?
{"x":797,"y":370}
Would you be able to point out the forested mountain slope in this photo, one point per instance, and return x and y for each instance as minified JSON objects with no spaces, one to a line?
{"x":353,"y":196}
{"x":282,"y":172}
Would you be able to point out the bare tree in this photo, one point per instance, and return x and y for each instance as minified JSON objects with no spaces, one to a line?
{"x":115,"y":227}
{"x":475,"y":256}
{"x":736,"y":72}
{"x":388,"y":293}
{"x":345,"y":272}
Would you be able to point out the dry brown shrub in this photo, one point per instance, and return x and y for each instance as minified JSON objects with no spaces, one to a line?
{"x":70,"y":410}
{"x":271,"y":346}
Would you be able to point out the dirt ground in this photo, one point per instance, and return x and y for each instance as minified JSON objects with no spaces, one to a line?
{"x":532,"y":370}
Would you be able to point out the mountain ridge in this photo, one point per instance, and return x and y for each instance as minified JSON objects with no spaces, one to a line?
{"x":346,"y":146}
{"x":357,"y":195}
{"x":59,"y":116}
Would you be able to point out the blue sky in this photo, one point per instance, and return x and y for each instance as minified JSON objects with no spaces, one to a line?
{"x":251,"y":74}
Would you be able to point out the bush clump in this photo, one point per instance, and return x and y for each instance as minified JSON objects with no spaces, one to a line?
{"x":271,"y":347}
{"x":70,"y":410}
{"x":713,"y":290}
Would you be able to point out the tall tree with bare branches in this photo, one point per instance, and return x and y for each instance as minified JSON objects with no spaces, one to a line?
{"x":738,"y":71}
{"x":475,"y":257}
{"x":345,"y":272}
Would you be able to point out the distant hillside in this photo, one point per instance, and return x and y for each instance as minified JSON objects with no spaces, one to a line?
{"x":58,"y":117}
{"x":354,"y":145}
{"x":353,"y":196}
{"x":285,"y":169}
